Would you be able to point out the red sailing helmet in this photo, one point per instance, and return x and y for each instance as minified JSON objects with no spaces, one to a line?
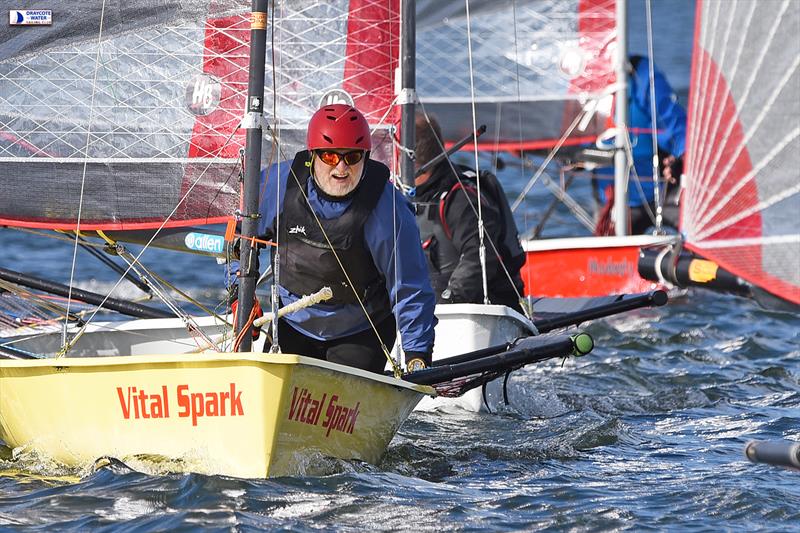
{"x":338,"y":126}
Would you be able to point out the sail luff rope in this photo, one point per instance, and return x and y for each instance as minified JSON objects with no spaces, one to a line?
{"x":394,"y":257}
{"x":274,"y":296}
{"x":653,"y":118}
{"x":754,"y":69}
{"x":482,"y":244}
{"x":85,"y":166}
{"x":396,"y":163}
{"x":706,"y":217}
{"x":398,"y":182}
{"x":715,"y":108}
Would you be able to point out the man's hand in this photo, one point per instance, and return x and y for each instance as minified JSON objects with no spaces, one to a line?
{"x":673,"y":168}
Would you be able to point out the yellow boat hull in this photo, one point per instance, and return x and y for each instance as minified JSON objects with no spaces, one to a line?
{"x":244,"y":414}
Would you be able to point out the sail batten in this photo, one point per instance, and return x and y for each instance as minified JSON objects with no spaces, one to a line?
{"x":742,"y":195}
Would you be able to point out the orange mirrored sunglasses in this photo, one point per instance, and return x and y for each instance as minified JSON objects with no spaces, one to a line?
{"x":332,"y":158}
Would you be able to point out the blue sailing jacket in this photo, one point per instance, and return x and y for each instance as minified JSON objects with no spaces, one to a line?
{"x":670,"y":121}
{"x":406,"y":273}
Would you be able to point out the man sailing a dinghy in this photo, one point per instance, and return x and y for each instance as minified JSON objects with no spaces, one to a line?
{"x":333,"y":197}
{"x":446,"y":205}
{"x":671,"y":137}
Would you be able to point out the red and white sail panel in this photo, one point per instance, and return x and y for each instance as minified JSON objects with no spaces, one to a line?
{"x":536,"y":65}
{"x":741,"y":204}
{"x":126,"y":114}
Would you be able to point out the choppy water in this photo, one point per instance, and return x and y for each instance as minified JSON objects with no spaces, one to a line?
{"x":645,"y":433}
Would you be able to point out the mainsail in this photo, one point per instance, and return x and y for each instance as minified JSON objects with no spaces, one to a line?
{"x":742,"y":193}
{"x":130,"y":112}
{"x":536,"y":64}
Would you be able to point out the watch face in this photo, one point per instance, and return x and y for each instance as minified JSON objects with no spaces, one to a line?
{"x":416,"y":364}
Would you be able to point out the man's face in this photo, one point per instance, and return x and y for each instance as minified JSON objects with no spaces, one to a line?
{"x":341,"y":178}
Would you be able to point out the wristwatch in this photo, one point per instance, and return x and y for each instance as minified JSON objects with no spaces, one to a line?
{"x":416,"y":364}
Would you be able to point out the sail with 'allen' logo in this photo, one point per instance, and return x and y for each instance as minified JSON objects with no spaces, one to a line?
{"x":138,"y":125}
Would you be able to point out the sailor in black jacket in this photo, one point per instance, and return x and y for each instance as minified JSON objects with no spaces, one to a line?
{"x":446,"y":204}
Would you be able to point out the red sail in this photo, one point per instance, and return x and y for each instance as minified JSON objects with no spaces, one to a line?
{"x":136,"y":124}
{"x":742,"y":195}
{"x":536,"y":65}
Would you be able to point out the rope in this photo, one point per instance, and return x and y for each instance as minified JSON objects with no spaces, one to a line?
{"x":85,"y":165}
{"x":653,"y":119}
{"x":547,"y":160}
{"x":481,"y":230}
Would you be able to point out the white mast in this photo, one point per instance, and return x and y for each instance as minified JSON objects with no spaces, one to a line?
{"x":620,"y":211}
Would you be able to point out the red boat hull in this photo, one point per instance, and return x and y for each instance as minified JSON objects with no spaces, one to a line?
{"x":586,"y":266}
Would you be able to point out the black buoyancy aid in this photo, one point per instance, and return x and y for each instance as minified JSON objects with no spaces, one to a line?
{"x":510,"y":248}
{"x":437,"y":237}
{"x":307,"y":262}
{"x":442,"y":256}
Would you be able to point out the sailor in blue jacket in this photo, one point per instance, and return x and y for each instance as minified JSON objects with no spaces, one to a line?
{"x":333,"y":195}
{"x":671,"y":136}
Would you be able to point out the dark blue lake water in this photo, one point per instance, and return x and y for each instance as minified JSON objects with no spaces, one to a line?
{"x":645,"y":433}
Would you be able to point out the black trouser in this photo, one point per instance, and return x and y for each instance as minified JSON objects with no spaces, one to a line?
{"x":360,"y":350}
{"x":640,"y":219}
